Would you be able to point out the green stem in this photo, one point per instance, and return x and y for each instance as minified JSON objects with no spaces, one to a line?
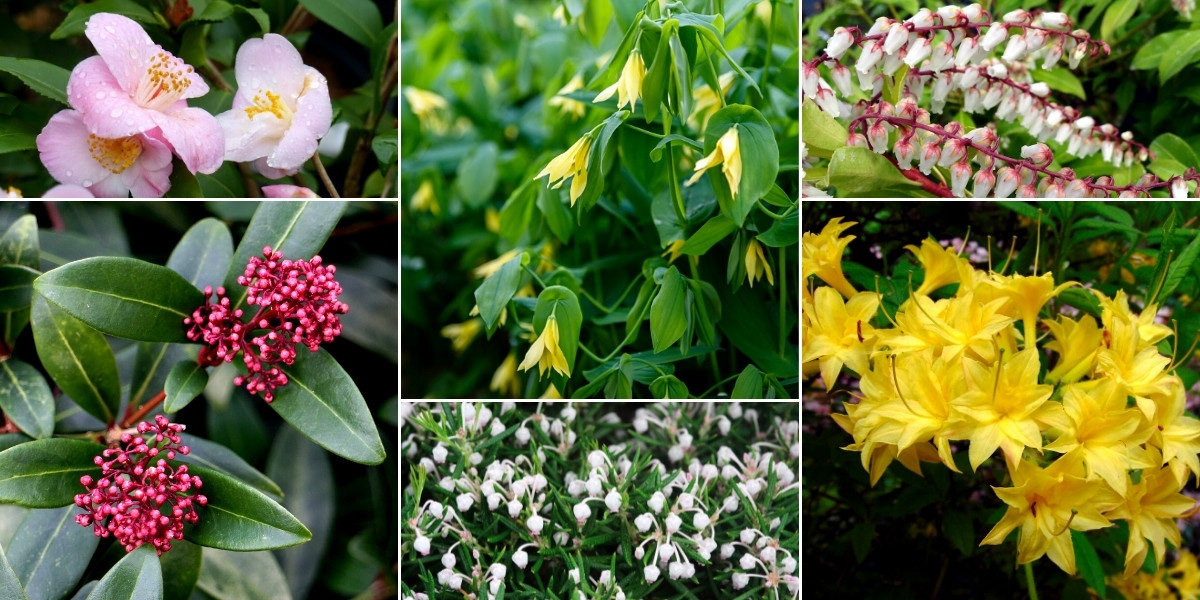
{"x":649,"y":133}
{"x":675,"y":192}
{"x":768,"y":212}
{"x":770,"y":46}
{"x":719,"y":384}
{"x":1033,"y":595}
{"x":590,"y":354}
{"x":782,"y":297}
{"x":604,"y":309}
{"x":535,"y":277}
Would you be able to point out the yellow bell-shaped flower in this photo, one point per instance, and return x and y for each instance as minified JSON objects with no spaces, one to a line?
{"x":756,"y":264}
{"x":545,"y":352}
{"x":728,"y":154}
{"x":572,"y":163}
{"x":629,"y":85}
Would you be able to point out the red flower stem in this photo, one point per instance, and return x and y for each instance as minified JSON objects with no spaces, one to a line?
{"x":143,"y":410}
{"x":927,"y":184}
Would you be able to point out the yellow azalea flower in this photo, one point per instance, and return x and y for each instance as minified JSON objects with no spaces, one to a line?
{"x":545,"y":352}
{"x":941,"y":265}
{"x":1028,"y":294}
{"x":569,"y":106}
{"x":756,"y":264}
{"x":705,"y":101}
{"x":1184,"y":576}
{"x":505,"y":379}
{"x":475,"y":312}
{"x":572,"y":163}
{"x":1096,"y":424}
{"x":876,"y":456}
{"x":838,"y":331}
{"x":673,"y":251}
{"x":728,"y":154}
{"x":491,"y":219}
{"x":1151,"y":507}
{"x":919,"y":408}
{"x":1175,"y":434}
{"x":629,"y":85}
{"x":486,"y":269}
{"x":462,"y":334}
{"x":1045,"y":503}
{"x":1003,"y":407}
{"x":956,"y":326}
{"x":425,"y":200}
{"x":1128,"y":331}
{"x":821,"y":255}
{"x":1078,"y":344}
{"x":1142,"y":586}
{"x":428,"y":107}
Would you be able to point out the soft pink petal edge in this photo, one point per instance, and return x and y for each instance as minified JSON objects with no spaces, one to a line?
{"x":123,"y":45}
{"x":107,"y":110}
{"x":62,"y":146}
{"x":271,"y":63}
{"x":196,"y":137}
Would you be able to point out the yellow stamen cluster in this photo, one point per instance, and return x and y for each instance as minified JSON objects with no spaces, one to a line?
{"x":268,"y":102}
{"x":166,"y":77}
{"x":116,"y":155}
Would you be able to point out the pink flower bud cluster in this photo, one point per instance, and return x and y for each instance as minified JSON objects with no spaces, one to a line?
{"x":297,"y":304}
{"x":1030,"y":176}
{"x":141,"y":498}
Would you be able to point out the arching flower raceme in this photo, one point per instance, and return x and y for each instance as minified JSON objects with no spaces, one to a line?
{"x":141,"y":497}
{"x":280,"y":111}
{"x":106,"y":168}
{"x":134,"y":86}
{"x":545,"y":352}
{"x":572,"y":163}
{"x":726,"y":153}
{"x":629,"y":85}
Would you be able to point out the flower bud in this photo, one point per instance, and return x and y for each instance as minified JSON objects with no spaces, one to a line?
{"x":522,"y":435}
{"x":1052,"y":55}
{"x":651,"y":573}
{"x":464,"y":502}
{"x":996,"y":34}
{"x":643,"y":522}
{"x":435,"y":509}
{"x":740,"y":580}
{"x":960,"y":173}
{"x":673,"y":523}
{"x":582,"y":512}
{"x":613,"y":501}
{"x":1017,"y":17}
{"x":656,"y":502}
{"x":930,"y":153}
{"x":982,"y":183}
{"x":1179,"y":189}
{"x":747,"y":561}
{"x":841,"y":78}
{"x":877,"y":135}
{"x":827,"y":101}
{"x":1056,"y":20}
{"x":448,"y":560}
{"x":869,"y":57}
{"x":700,"y":520}
{"x":421,"y":545}
{"x":439,"y":454}
{"x":917,"y":52}
{"x":1015,"y":49}
{"x":941,"y":57}
{"x":1027,"y":191}
{"x":535,"y":523}
{"x":966,"y":50}
{"x":520,"y":558}
{"x":905,"y":152}
{"x":838,"y":43}
{"x":1007,"y":180}
{"x":896,"y":37}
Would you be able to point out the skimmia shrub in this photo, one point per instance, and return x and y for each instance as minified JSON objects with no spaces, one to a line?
{"x":957,"y":100}
{"x":123,"y":355}
{"x":589,"y":500}
{"x":1069,"y":397}
{"x":600,"y":200}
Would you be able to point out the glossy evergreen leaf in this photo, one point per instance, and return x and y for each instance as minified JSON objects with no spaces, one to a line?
{"x":137,"y":576}
{"x":667,"y":318}
{"x":323,"y":402}
{"x":180,"y":569}
{"x":212,"y":455}
{"x":204,"y":254}
{"x":185,"y":381}
{"x":760,"y":158}
{"x":18,"y":246}
{"x":16,"y":286}
{"x":1179,"y":55}
{"x":10,"y":586}
{"x":306,"y":475}
{"x":77,"y":19}
{"x":42,"y":77}
{"x":358,"y":19}
{"x":26,"y":399}
{"x":45,"y":473}
{"x":78,"y":358}
{"x":50,"y":551}
{"x":123,"y":297}
{"x":298,"y":229}
{"x":241,"y":518}
{"x":151,"y":366}
{"x":241,"y":576}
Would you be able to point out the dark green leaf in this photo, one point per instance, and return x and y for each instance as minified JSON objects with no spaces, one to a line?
{"x":654,"y":84}
{"x":1060,"y":79}
{"x":358,"y":19}
{"x":307,"y":478}
{"x":297,"y":229}
{"x":1089,"y":563}
{"x":323,"y":402}
{"x":713,"y":231}
{"x":137,"y":576}
{"x":217,"y":10}
{"x":212,"y":455}
{"x":185,"y":381}
{"x":78,"y":358}
{"x":860,"y":539}
{"x":784,"y":232}
{"x":180,"y":569}
{"x":749,"y":384}
{"x":241,"y":518}
{"x":959,"y":529}
{"x":1117,"y":15}
{"x":123,"y":297}
{"x":241,"y":576}
{"x":494,"y":293}
{"x":1149,"y":56}
{"x":42,"y":77}
{"x":1179,"y":269}
{"x":151,"y":366}
{"x":669,"y":387}
{"x":558,"y":217}
{"x":756,"y":139}
{"x":1181,"y":54}
{"x":637,"y":314}
{"x":385,"y":146}
{"x":45,"y":473}
{"x":478,"y":174}
{"x":26,"y":399}
{"x":667,"y":319}
{"x":15,"y":140}
{"x":10,"y":586}
{"x":16,"y":286}
{"x":49,"y":552}
{"x":203,"y":256}
{"x":77,"y":19}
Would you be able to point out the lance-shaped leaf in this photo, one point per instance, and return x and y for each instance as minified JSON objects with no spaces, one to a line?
{"x":185,"y":381}
{"x":18,"y":246}
{"x":241,"y":518}
{"x":307,"y":477}
{"x":50,"y":551}
{"x":212,"y":455}
{"x":16,"y":286}
{"x":323,"y":403}
{"x":78,"y":358}
{"x":180,"y":569}
{"x":204,"y":254}
{"x":45,"y":473}
{"x":10,"y":586}
{"x":242,"y":576}
{"x":123,"y":297}
{"x":137,"y":576}
{"x":26,"y":399}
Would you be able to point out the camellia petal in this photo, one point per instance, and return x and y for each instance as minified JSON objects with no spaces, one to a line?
{"x":106,"y":167}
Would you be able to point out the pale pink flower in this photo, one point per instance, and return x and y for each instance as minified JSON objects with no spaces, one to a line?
{"x":106,"y":167}
{"x":134,"y":86}
{"x":288,"y":191}
{"x":280,"y":111}
{"x":67,"y":191}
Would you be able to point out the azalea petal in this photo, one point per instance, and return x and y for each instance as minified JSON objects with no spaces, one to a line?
{"x":63,"y":146}
{"x":271,"y":63}
{"x":195,"y":135}
{"x":123,"y":45}
{"x":107,"y":109}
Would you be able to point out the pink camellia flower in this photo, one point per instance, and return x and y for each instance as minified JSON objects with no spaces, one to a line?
{"x":288,"y":191}
{"x":68,"y":191}
{"x":134,"y":86}
{"x":280,"y":111}
{"x":106,"y":167}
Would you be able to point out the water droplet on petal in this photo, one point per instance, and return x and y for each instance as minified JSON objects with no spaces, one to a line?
{"x":100,"y":95}
{"x":69,"y":173}
{"x":109,"y":28}
{"x":116,"y":112}
{"x":87,"y":183}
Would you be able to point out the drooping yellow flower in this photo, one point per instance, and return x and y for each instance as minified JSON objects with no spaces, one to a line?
{"x":1142,"y":585}
{"x":1027,"y":296}
{"x":1097,"y":425}
{"x":1045,"y":503}
{"x":728,"y":154}
{"x":1003,"y":406}
{"x":545,"y":263}
{"x":705,"y":101}
{"x":462,"y":334}
{"x":628,"y":87}
{"x":1078,"y":344}
{"x":572,"y":163}
{"x":486,"y":269}
{"x":491,"y":219}
{"x":673,"y":251}
{"x":756,"y":264}
{"x":1151,"y":507}
{"x":941,"y":265}
{"x":551,"y":393}
{"x":821,"y":255}
{"x":425,"y":200}
{"x":1174,"y":433}
{"x":838,"y":332}
{"x":475,"y":312}
{"x":545,"y":352}
{"x":429,"y":107}
{"x":569,"y":106}
{"x":505,"y":379}
{"x":860,"y":421}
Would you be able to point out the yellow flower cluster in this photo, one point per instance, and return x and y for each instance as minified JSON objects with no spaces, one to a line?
{"x":967,"y":366}
{"x":1181,"y":580}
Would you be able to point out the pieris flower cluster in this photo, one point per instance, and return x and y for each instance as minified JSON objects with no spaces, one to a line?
{"x":964,"y":366}
{"x":562,"y":490}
